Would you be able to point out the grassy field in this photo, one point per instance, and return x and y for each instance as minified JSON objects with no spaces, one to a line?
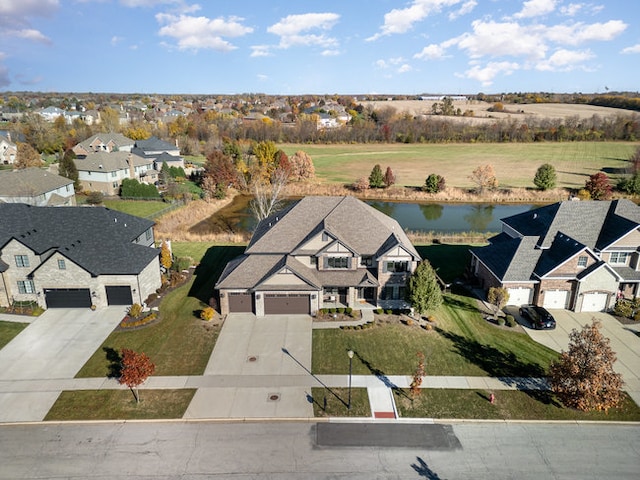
{"x":515,"y":164}
{"x":120,"y":405}
{"x":8,"y":331}
{"x":139,"y":208}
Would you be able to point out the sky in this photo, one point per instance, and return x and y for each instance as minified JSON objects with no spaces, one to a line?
{"x":290,"y":47}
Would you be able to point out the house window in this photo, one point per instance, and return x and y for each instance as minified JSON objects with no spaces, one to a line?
{"x":114,"y":174}
{"x":68,"y":189}
{"x":395,"y":267}
{"x":26,"y":286}
{"x":148,"y":234}
{"x":402,"y":291}
{"x":387,"y":293}
{"x":313,"y":261}
{"x":338,"y":262}
{"x":22,"y":261}
{"x":582,"y":261}
{"x":61,"y":264}
{"x":366,"y":261}
{"x":618,"y":257}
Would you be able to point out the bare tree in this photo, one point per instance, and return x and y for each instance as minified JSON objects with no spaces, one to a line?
{"x":267,"y":196}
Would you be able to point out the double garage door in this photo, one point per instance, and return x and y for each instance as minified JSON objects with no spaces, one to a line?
{"x":81,"y":297}
{"x":274,"y":304}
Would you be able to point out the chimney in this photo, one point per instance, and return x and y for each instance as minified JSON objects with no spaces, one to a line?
{"x":132,"y":170}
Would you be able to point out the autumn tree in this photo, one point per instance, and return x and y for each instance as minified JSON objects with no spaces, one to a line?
{"x":136,"y":368}
{"x":484,"y":177}
{"x":265,"y":155}
{"x":389,"y":177}
{"x":599,"y":186}
{"x":376,"y":178}
{"x":109,"y":120}
{"x":267,"y":196}
{"x":498,"y":297}
{"x":434,"y":183}
{"x":417,"y":376}
{"x":361,"y":184}
{"x":220,"y":173}
{"x":545,"y":178}
{"x":423,"y":291}
{"x":166,"y":259}
{"x":583,"y":376}
{"x":27,"y":156}
{"x":301,"y":166}
{"x":67,"y":168}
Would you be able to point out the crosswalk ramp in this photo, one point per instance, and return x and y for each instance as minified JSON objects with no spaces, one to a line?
{"x":382,"y":402}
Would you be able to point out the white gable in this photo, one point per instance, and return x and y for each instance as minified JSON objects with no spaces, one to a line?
{"x":284,"y":277}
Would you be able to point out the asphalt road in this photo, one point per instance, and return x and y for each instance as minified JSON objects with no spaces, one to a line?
{"x":287,"y":451}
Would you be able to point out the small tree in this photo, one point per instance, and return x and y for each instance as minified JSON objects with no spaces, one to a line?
{"x":417,"y":376}
{"x":423,"y":290}
{"x":599,"y":186}
{"x":301,"y":166}
{"x":389,"y":177}
{"x":27,"y":156}
{"x":67,"y":168}
{"x":361,"y":184}
{"x":583,"y":377}
{"x":95,"y":198}
{"x":376,"y":179}
{"x":136,"y":368}
{"x":545,"y":178}
{"x":484,"y":177}
{"x":434,"y":183}
{"x":498,"y":297}
{"x":166,"y":259}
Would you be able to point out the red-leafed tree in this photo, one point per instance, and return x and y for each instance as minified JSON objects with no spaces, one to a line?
{"x":583,"y":377}
{"x":599,"y":186}
{"x":389,"y":177}
{"x":417,"y":376}
{"x":136,"y":368}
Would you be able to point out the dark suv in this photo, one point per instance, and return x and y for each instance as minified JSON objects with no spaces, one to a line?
{"x":538,"y":316}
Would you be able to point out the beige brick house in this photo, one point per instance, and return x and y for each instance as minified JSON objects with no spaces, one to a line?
{"x":320,"y":252}
{"x":569,"y":255}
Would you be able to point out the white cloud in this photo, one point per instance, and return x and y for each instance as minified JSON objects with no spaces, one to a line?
{"x":536,"y":8}
{"x":577,"y":33}
{"x":194,"y":33}
{"x":485,"y":75}
{"x":565,"y":60}
{"x":466,"y":8}
{"x":572,"y":9}
{"x":262,"y":78}
{"x":330,"y":53}
{"x":431,"y":52}
{"x":148,"y":3}
{"x":292,"y":30}
{"x":260,"y":51}
{"x":33,"y":35}
{"x":633,"y":49}
{"x":404,"y":68}
{"x":502,"y":39}
{"x":115,"y":40}
{"x":401,"y":20}
{"x":15,"y":18}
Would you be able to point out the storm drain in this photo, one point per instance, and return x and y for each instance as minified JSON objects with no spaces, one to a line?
{"x":273,"y":397}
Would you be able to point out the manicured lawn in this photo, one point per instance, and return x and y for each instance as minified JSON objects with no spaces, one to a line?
{"x":139,"y":208}
{"x":8,"y":331}
{"x":515,"y":164}
{"x":120,"y":405}
{"x":463,"y":344}
{"x":509,"y":405}
{"x":333,"y":402}
{"x":449,"y":261}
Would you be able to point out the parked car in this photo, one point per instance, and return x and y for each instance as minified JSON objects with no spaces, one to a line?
{"x":539,"y":317}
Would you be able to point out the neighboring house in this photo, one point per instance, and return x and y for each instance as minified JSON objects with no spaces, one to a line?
{"x":320,"y":252}
{"x":104,"y":142}
{"x":104,"y":172}
{"x":8,"y":150}
{"x":37,"y":187}
{"x":51,"y":113}
{"x":575,"y":255}
{"x":75,"y":257}
{"x":153,"y":148}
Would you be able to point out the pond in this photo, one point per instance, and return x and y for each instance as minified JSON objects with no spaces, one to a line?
{"x":417,"y":217}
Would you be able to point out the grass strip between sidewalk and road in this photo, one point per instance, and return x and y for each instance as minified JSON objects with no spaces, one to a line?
{"x":334,"y":402}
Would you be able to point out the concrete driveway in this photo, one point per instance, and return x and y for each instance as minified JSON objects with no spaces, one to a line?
{"x":253,"y":347}
{"x":54,"y":346}
{"x":625,"y":341}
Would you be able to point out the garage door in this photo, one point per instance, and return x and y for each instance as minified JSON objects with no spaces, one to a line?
{"x":241,"y":302}
{"x":594,"y":302}
{"x":519,"y":296}
{"x":67,"y":297}
{"x":119,"y":295}
{"x":286,"y":304}
{"x":555,"y":299}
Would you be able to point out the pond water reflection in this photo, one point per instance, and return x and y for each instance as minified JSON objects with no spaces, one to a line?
{"x":418,"y":217}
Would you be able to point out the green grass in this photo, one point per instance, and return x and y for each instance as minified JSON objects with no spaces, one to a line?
{"x":120,"y":405}
{"x":449,"y":261}
{"x":9,"y":330}
{"x":333,"y":402}
{"x":508,"y":405}
{"x":464,"y":344}
{"x":515,"y":164}
{"x":139,"y":208}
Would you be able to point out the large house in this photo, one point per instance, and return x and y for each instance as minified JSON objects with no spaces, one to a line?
{"x":159,"y":151}
{"x":320,"y":252}
{"x":569,"y":255}
{"x":104,"y":172}
{"x":75,"y":257}
{"x":8,"y":149}
{"x":104,"y":142}
{"x":37,"y":187}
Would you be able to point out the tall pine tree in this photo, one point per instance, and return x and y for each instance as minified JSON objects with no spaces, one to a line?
{"x":67,"y":168}
{"x":423,"y":290}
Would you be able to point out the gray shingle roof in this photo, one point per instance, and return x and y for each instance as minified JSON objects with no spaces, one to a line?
{"x":29,"y":182}
{"x":96,"y":238}
{"x":109,"y":162}
{"x":117,"y":139}
{"x":512,"y":260}
{"x":154,"y":144}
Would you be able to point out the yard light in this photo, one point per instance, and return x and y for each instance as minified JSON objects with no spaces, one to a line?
{"x":350,"y":354}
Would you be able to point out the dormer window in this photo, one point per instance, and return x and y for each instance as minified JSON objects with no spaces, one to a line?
{"x":619,"y":257}
{"x":582,"y":261}
{"x":337,"y":262}
{"x":397,"y":267}
{"x":366,"y":261}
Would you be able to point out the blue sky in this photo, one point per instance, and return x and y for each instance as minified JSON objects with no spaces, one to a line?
{"x":320,"y":47}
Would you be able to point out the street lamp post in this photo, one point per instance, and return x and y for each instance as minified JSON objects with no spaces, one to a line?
{"x":350,"y":354}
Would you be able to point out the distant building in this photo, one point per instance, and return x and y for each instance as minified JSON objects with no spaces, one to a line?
{"x":8,"y":149}
{"x":36,"y":187}
{"x":104,"y":142}
{"x":104,"y":172}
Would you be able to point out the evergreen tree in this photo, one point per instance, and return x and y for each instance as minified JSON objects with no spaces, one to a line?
{"x":376,"y":179}
{"x":67,"y":168}
{"x":546,"y":177}
{"x":434,"y":183}
{"x":423,"y":290}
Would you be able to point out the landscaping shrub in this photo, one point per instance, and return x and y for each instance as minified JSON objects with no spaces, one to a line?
{"x":349,"y":311}
{"x":388,"y":311}
{"x":379,"y":311}
{"x":501,"y":321}
{"x":341,"y":310}
{"x":151,"y":298}
{"x":332,"y":310}
{"x":182,"y":263}
{"x":135,"y":310}
{"x":623,"y":308}
{"x":511,"y":322}
{"x":207,"y":314}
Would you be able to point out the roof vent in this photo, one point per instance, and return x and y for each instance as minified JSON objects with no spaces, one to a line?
{"x":100,"y":166}
{"x":535,"y":215}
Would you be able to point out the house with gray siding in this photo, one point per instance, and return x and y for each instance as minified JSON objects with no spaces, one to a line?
{"x":75,"y":257}
{"x":37,"y":187}
{"x":577,"y":255}
{"x":320,"y":252}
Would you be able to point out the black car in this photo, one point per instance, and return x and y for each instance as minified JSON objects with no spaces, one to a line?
{"x":538,"y":316}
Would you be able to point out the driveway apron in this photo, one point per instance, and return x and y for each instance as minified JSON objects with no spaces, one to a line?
{"x":54,"y":346}
{"x":250,"y":346}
